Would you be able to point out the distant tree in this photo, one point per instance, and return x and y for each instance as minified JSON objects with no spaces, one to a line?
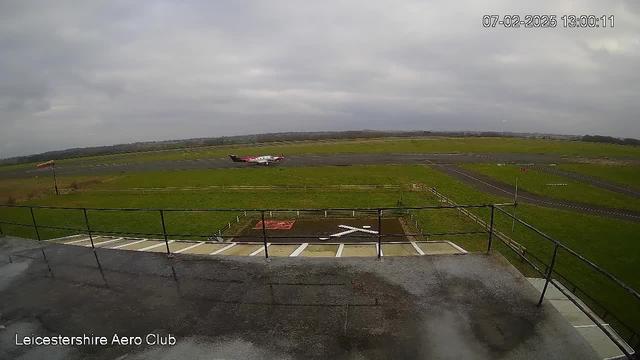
{"x":611,"y":140}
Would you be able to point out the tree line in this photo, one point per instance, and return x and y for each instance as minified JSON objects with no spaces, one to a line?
{"x":611,"y":140}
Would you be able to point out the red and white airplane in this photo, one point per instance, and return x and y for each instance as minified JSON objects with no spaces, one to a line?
{"x":260,"y":160}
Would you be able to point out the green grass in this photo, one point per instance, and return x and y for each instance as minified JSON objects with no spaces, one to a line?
{"x":327,"y":175}
{"x":607,"y":242}
{"x":627,"y":175}
{"x":385,"y":145}
{"x":536,"y":182}
{"x":184,"y":223}
{"x":18,"y":190}
{"x":417,"y":145}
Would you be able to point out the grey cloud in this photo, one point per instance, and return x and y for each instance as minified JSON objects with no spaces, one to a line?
{"x":94,"y":73}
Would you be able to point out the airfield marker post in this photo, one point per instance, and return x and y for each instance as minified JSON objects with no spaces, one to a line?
{"x":379,"y":233}
{"x":86,"y":221}
{"x":164,"y":231}
{"x":264,"y":236}
{"x":549,"y":272}
{"x":55,"y":182}
{"x":35,"y":225}
{"x":515,"y":203}
{"x":493,"y":210}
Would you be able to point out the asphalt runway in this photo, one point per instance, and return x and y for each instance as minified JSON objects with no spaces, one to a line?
{"x":489,"y":185}
{"x":295,"y":160}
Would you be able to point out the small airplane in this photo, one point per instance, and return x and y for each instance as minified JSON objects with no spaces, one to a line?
{"x":260,"y":160}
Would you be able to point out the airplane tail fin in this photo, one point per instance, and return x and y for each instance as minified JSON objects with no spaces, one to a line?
{"x":235,"y":158}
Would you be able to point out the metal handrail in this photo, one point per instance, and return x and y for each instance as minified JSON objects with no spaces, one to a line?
{"x":572,"y":252}
{"x":256,"y":210}
{"x":379,"y":212}
{"x":548,"y":280}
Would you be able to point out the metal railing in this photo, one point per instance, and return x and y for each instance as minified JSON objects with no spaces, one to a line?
{"x":378,"y":213}
{"x":633,"y":339}
{"x":373,"y":212}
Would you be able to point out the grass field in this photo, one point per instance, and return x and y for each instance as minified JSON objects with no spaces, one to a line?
{"x":607,"y":242}
{"x":418,"y":145}
{"x":386,"y":145}
{"x":327,"y":175}
{"x":626,"y":175}
{"x":19,"y":190}
{"x":536,"y":182}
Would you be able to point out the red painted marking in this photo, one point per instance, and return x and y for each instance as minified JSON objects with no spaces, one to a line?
{"x":275,"y":224}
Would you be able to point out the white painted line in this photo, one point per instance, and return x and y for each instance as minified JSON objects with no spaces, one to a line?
{"x":457,"y":247}
{"x":366,"y":227}
{"x":588,"y":326}
{"x":259,"y":250}
{"x":299,"y":250}
{"x":156,"y":245}
{"x":123,"y":245}
{"x":381,"y":254}
{"x":107,"y":242}
{"x":77,"y":241}
{"x":343,"y":233}
{"x":415,"y":246}
{"x":65,"y":237}
{"x":223,"y":249}
{"x":357,"y":229}
{"x":188,"y":248}
{"x":324,"y":238}
{"x":340,"y":248}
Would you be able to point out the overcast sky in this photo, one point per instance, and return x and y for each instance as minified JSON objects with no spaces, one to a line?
{"x":88,"y":73}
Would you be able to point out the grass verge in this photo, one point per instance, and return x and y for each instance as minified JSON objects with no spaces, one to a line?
{"x":626,"y":175}
{"x":537,"y":183}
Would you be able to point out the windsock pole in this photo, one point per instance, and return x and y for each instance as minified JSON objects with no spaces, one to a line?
{"x":53,"y":167}
{"x":55,"y":182}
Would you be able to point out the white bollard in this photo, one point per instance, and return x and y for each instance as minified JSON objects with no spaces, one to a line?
{"x":325,"y":213}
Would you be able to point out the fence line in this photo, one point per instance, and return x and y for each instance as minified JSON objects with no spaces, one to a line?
{"x":506,"y":239}
{"x":521,"y":251}
{"x":224,"y":188}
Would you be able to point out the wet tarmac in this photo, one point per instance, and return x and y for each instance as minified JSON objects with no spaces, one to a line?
{"x":425,"y":307}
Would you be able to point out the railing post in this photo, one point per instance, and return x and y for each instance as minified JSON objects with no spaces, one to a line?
{"x":164,"y":231}
{"x":86,"y":220}
{"x":549,"y":273}
{"x":35,"y":225}
{"x":493,"y":210}
{"x":264,"y":236}
{"x":379,"y":233}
